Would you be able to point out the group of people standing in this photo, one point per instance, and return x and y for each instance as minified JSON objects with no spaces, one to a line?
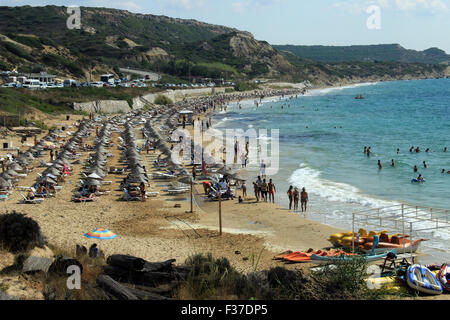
{"x":264,"y":191}
{"x":294,"y":196}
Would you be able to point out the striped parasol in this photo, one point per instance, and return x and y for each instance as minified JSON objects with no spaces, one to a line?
{"x":102,"y":234}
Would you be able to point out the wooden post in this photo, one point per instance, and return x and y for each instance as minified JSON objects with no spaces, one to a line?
{"x":220,"y":212}
{"x":192,"y":209}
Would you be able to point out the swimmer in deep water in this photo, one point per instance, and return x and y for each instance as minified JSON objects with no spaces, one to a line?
{"x":420,"y":178}
{"x":415,"y":169}
{"x":398,"y":151}
{"x":392,"y":163}
{"x":379,"y":165}
{"x":425,"y":165}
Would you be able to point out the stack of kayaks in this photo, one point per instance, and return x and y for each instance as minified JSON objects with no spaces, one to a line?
{"x":305,"y":256}
{"x":420,"y":278}
{"x":364,"y":241}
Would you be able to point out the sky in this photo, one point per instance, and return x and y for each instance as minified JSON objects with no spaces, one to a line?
{"x":414,"y":24}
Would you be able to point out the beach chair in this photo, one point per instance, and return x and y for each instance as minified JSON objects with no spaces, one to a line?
{"x":84,"y":199}
{"x":41,"y":195}
{"x":28,"y":201}
{"x":151,"y":194}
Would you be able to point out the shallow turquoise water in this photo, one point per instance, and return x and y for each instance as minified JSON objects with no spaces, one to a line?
{"x":323,"y":134}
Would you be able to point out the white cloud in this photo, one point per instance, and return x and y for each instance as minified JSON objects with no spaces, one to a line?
{"x":359,"y":7}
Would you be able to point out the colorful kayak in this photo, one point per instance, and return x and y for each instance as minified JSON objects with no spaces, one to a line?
{"x":420,"y":278}
{"x":444,"y":277}
{"x":382,"y":246}
{"x":346,"y":257}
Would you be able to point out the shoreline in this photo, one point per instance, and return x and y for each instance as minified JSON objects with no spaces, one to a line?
{"x":431,"y":254}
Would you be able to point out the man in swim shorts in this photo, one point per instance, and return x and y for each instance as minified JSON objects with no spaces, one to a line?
{"x":272,"y":191}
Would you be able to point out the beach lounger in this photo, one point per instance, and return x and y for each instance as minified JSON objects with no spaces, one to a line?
{"x":34,"y":201}
{"x":84,"y":199}
{"x":177,"y":191}
{"x":151,"y":194}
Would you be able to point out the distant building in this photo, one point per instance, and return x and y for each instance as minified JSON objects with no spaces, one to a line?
{"x":42,"y":76}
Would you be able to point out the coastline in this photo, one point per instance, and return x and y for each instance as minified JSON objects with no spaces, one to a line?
{"x":429,"y":254}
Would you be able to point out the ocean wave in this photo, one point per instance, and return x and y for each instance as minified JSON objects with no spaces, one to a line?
{"x":344,"y":193}
{"x":331,"y":190}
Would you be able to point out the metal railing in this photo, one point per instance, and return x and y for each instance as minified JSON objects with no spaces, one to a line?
{"x":403,"y":219}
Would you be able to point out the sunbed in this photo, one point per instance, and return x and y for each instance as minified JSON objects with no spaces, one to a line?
{"x":29,"y":201}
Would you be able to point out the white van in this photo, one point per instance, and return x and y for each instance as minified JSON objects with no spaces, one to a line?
{"x":32,"y":84}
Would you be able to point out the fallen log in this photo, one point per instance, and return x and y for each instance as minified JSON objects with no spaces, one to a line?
{"x":165,"y":266}
{"x":151,"y":279}
{"x":146,"y":295}
{"x":126,"y":262}
{"x":61,"y":264}
{"x":114,"y":288}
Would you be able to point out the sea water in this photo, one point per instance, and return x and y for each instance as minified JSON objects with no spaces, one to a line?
{"x":322,"y":137}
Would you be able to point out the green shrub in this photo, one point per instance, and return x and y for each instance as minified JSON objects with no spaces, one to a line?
{"x":19,"y":233}
{"x":160,"y":99}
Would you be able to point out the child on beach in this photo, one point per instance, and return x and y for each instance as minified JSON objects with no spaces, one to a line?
{"x":244,"y":190}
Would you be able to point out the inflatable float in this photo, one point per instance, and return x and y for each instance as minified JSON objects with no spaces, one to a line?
{"x":420,"y":278}
{"x":444,"y":277}
{"x":417,"y":181}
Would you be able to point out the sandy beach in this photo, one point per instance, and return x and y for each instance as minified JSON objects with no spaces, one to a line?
{"x":163,"y":228}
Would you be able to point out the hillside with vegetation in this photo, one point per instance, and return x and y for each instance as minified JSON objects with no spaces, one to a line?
{"x":37,"y":39}
{"x":372,"y":53}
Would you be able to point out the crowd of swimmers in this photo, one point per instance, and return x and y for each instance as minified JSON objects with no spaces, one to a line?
{"x":368,"y":152}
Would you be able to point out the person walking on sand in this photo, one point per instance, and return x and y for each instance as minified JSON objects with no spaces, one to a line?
{"x":255,"y":189}
{"x":272,"y":191}
{"x":259,"y":184}
{"x":142,"y":190}
{"x":290,"y":196}
{"x":264,"y":188}
{"x":304,"y":199}
{"x":296,"y":198}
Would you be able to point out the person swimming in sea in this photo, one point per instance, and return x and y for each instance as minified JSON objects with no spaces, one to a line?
{"x":368,"y":151}
{"x":392,"y":163}
{"x":420,"y":178}
{"x":380,"y":166}
{"x":418,"y":150}
{"x":411,"y":149}
{"x":415,"y":169}
{"x":425,"y":165}
{"x":365,"y":150}
{"x":445,"y":149}
{"x":428,"y":150}
{"x":443,"y":171}
{"x":398,"y":151}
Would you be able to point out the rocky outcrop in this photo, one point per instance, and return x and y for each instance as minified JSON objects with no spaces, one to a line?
{"x":103,"y":106}
{"x":122,"y":106}
{"x":243,"y":45}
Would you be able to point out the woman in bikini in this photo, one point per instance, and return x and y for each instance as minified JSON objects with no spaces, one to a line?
{"x":291,"y":197}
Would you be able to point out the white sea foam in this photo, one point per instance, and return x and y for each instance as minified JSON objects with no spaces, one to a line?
{"x":324,"y":91}
{"x":331,"y":190}
{"x":345,"y":193}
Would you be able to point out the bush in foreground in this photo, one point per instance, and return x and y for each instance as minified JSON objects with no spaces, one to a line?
{"x":19,"y":233}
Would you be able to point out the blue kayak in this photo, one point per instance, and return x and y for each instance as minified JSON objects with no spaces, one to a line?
{"x":325,"y":259}
{"x":417,"y":181}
